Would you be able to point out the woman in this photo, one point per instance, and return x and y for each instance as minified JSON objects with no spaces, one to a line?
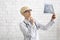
{"x":29,"y":26}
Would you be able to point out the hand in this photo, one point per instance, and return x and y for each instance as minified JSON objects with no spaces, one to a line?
{"x":31,"y":20}
{"x":53,"y":16}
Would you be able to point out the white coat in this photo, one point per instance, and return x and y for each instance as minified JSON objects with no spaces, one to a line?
{"x":30,"y":31}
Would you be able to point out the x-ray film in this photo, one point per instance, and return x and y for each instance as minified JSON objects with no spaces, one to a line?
{"x":48,"y":8}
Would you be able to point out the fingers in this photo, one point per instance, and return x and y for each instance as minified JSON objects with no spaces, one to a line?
{"x":53,"y":16}
{"x":31,"y":20}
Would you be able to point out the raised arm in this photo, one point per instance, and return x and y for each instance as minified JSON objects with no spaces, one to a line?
{"x":45,"y":27}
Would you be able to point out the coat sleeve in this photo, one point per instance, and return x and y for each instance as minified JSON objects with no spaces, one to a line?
{"x":24,"y":30}
{"x":44,"y":27}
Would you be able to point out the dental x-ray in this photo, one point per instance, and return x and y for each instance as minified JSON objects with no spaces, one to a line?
{"x":48,"y":8}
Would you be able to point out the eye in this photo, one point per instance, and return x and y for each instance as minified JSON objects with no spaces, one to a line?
{"x":27,"y":11}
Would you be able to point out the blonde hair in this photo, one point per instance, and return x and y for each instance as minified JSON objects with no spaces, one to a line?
{"x":24,"y":8}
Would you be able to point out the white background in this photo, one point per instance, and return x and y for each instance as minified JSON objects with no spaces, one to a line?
{"x":10,"y":18}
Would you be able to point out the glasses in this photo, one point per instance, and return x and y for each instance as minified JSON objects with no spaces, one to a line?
{"x":27,"y":11}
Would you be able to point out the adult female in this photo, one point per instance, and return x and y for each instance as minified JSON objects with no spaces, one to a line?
{"x":29,"y":26}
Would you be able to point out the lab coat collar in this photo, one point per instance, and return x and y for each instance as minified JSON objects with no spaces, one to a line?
{"x":26,"y":21}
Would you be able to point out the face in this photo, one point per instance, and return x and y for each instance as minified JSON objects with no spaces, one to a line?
{"x":27,"y":14}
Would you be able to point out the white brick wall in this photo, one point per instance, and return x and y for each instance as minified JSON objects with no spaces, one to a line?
{"x":10,"y":18}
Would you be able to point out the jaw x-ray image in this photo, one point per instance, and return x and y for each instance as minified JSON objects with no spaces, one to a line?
{"x":48,"y":8}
